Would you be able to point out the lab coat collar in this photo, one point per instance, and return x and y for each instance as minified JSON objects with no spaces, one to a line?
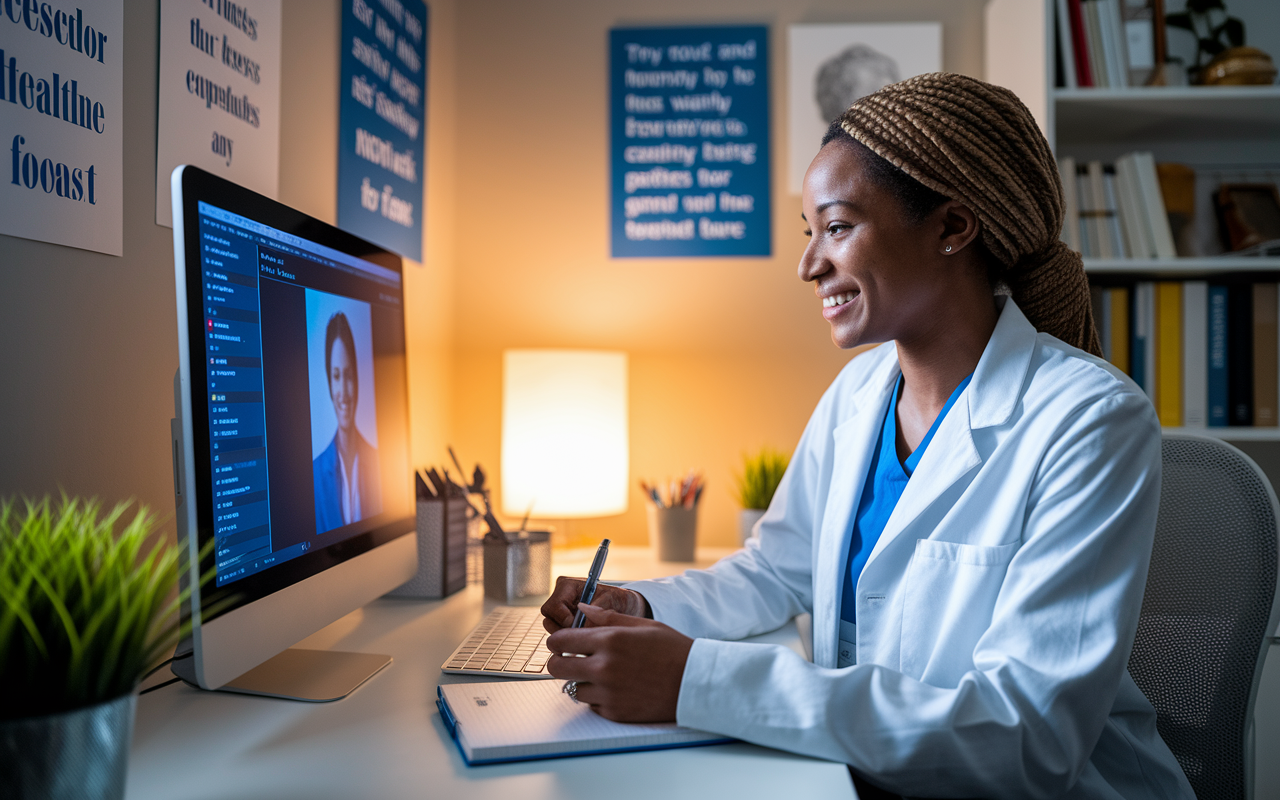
{"x":852,"y":457}
{"x":1001,"y":373}
{"x":989,"y":400}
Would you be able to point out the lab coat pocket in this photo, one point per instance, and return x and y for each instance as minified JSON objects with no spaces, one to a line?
{"x":948,"y":597}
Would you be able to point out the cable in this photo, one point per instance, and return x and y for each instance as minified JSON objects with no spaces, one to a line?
{"x":158,"y":685}
{"x":165,"y":663}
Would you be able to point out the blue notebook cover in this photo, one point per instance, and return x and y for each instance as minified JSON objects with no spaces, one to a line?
{"x":530,"y":720}
{"x":1217,"y":349}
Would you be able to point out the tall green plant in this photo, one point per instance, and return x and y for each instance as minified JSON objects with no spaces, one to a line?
{"x":85,"y":611}
{"x":760,"y":476}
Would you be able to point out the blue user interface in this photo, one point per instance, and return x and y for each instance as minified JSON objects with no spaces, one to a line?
{"x":301,"y":347}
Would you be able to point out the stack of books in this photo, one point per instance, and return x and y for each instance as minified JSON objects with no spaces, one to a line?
{"x":1115,"y":211}
{"x":1206,"y":354}
{"x":1105,"y":44}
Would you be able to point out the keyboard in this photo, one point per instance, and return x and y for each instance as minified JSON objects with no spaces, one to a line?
{"x":510,"y":643}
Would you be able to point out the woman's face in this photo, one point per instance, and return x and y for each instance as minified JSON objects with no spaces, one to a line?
{"x":343,"y":387}
{"x":873,"y":269}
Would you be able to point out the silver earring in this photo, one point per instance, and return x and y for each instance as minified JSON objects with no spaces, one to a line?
{"x":948,"y":248}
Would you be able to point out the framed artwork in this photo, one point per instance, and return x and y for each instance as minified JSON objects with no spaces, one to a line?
{"x":831,"y":66}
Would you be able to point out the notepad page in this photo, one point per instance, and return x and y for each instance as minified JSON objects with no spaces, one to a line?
{"x":515,"y":719}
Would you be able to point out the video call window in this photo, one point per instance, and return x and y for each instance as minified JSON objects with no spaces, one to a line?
{"x":344,"y":416}
{"x":306,"y":373}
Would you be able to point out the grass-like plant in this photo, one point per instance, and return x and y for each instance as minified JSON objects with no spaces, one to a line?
{"x":760,"y":476}
{"x":85,"y":610}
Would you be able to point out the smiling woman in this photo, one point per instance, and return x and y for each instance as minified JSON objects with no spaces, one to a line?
{"x":968,"y":516}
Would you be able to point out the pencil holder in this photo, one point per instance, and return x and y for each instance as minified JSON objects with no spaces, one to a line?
{"x":517,"y":564}
{"x":442,"y":550}
{"x":674,"y":532}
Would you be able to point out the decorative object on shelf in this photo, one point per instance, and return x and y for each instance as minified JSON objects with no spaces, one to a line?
{"x":1248,"y":214}
{"x":1239,"y":66}
{"x":1178,"y":190}
{"x":1220,"y":55}
{"x":755,"y":485}
{"x":86,"y":611}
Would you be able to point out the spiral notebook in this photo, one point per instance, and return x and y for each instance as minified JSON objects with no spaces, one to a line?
{"x":528,"y":720}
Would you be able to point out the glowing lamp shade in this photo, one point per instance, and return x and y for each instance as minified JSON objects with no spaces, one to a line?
{"x":564,"y":433}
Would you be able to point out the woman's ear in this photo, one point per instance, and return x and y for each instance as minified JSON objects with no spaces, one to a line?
{"x":959,"y":227}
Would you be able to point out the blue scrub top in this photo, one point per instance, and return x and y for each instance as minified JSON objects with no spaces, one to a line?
{"x":886,"y":480}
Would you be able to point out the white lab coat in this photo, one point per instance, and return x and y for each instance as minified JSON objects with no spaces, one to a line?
{"x":996,"y":612}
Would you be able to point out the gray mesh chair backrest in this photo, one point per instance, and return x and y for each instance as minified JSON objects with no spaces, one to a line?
{"x":1208,"y":611}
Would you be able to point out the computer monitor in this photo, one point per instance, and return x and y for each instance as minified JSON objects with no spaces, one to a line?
{"x":290,"y":437}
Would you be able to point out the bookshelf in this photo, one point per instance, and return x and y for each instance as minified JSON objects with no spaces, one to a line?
{"x":1226,"y":134}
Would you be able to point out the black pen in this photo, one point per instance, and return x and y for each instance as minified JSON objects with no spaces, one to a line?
{"x":593,"y":578}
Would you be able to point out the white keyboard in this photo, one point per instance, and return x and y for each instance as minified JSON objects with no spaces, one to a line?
{"x":510,"y":642}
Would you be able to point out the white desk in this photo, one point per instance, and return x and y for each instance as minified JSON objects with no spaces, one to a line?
{"x":386,"y":740}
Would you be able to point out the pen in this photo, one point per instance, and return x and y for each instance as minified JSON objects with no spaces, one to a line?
{"x":593,"y":578}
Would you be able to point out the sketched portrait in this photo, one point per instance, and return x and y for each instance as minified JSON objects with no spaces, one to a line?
{"x":853,"y":73}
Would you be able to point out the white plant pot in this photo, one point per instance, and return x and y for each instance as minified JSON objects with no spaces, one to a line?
{"x":747,"y":519}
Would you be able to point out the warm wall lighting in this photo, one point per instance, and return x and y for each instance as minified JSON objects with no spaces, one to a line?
{"x":564,"y":433}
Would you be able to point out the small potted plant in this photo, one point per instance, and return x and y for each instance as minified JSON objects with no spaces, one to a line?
{"x":85,"y":611}
{"x":759,"y":479}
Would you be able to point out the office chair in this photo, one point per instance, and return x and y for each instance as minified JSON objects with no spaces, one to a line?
{"x":1209,"y":611}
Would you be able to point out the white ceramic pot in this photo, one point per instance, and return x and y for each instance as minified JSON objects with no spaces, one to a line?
{"x":747,"y":519}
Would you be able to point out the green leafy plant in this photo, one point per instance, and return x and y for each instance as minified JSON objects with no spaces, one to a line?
{"x":760,"y":476}
{"x":85,"y":611}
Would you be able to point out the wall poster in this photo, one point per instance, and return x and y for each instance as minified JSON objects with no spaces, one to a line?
{"x":219,"y":94}
{"x":833,"y":65}
{"x":61,"y":115}
{"x":689,"y":142}
{"x":382,"y":122}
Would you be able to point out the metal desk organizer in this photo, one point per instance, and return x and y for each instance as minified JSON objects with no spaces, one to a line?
{"x":442,"y":550}
{"x":517,"y":564}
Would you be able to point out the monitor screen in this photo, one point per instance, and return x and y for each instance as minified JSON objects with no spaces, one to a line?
{"x":298,"y":392}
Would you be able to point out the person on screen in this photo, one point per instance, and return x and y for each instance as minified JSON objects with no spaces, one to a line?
{"x":346,"y":473}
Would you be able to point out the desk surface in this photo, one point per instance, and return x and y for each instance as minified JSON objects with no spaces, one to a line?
{"x":386,"y":740}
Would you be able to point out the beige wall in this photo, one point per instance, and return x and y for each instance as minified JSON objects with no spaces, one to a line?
{"x":726,"y":354}
{"x":86,"y":378}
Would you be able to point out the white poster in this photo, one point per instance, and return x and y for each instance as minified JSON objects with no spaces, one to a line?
{"x":61,"y":116}
{"x":831,"y":66}
{"x":219,"y":93}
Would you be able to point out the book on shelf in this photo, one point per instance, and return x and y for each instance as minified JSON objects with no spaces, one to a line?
{"x":1168,"y":352}
{"x":1217,"y":356}
{"x":1104,"y":43}
{"x":1195,"y":347}
{"x":1118,"y":210}
{"x":1239,"y":355}
{"x":1208,"y":355}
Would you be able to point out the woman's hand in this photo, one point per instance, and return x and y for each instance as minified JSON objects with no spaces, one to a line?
{"x":632,"y":667}
{"x":558,"y":611}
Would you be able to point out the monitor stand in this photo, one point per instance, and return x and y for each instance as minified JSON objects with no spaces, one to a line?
{"x":313,"y":676}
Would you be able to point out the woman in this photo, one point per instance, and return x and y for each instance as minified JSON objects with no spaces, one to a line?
{"x":345,"y":474}
{"x":968,"y":515}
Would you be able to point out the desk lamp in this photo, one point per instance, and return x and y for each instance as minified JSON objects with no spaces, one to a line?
{"x":564,"y":433}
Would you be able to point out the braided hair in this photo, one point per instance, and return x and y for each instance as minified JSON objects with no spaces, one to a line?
{"x":961,"y":138}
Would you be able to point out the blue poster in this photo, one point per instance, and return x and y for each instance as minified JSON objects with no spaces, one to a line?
{"x":382,"y":122}
{"x":689,"y":141}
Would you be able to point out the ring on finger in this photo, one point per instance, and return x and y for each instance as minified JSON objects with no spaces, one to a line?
{"x":571,"y":688}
